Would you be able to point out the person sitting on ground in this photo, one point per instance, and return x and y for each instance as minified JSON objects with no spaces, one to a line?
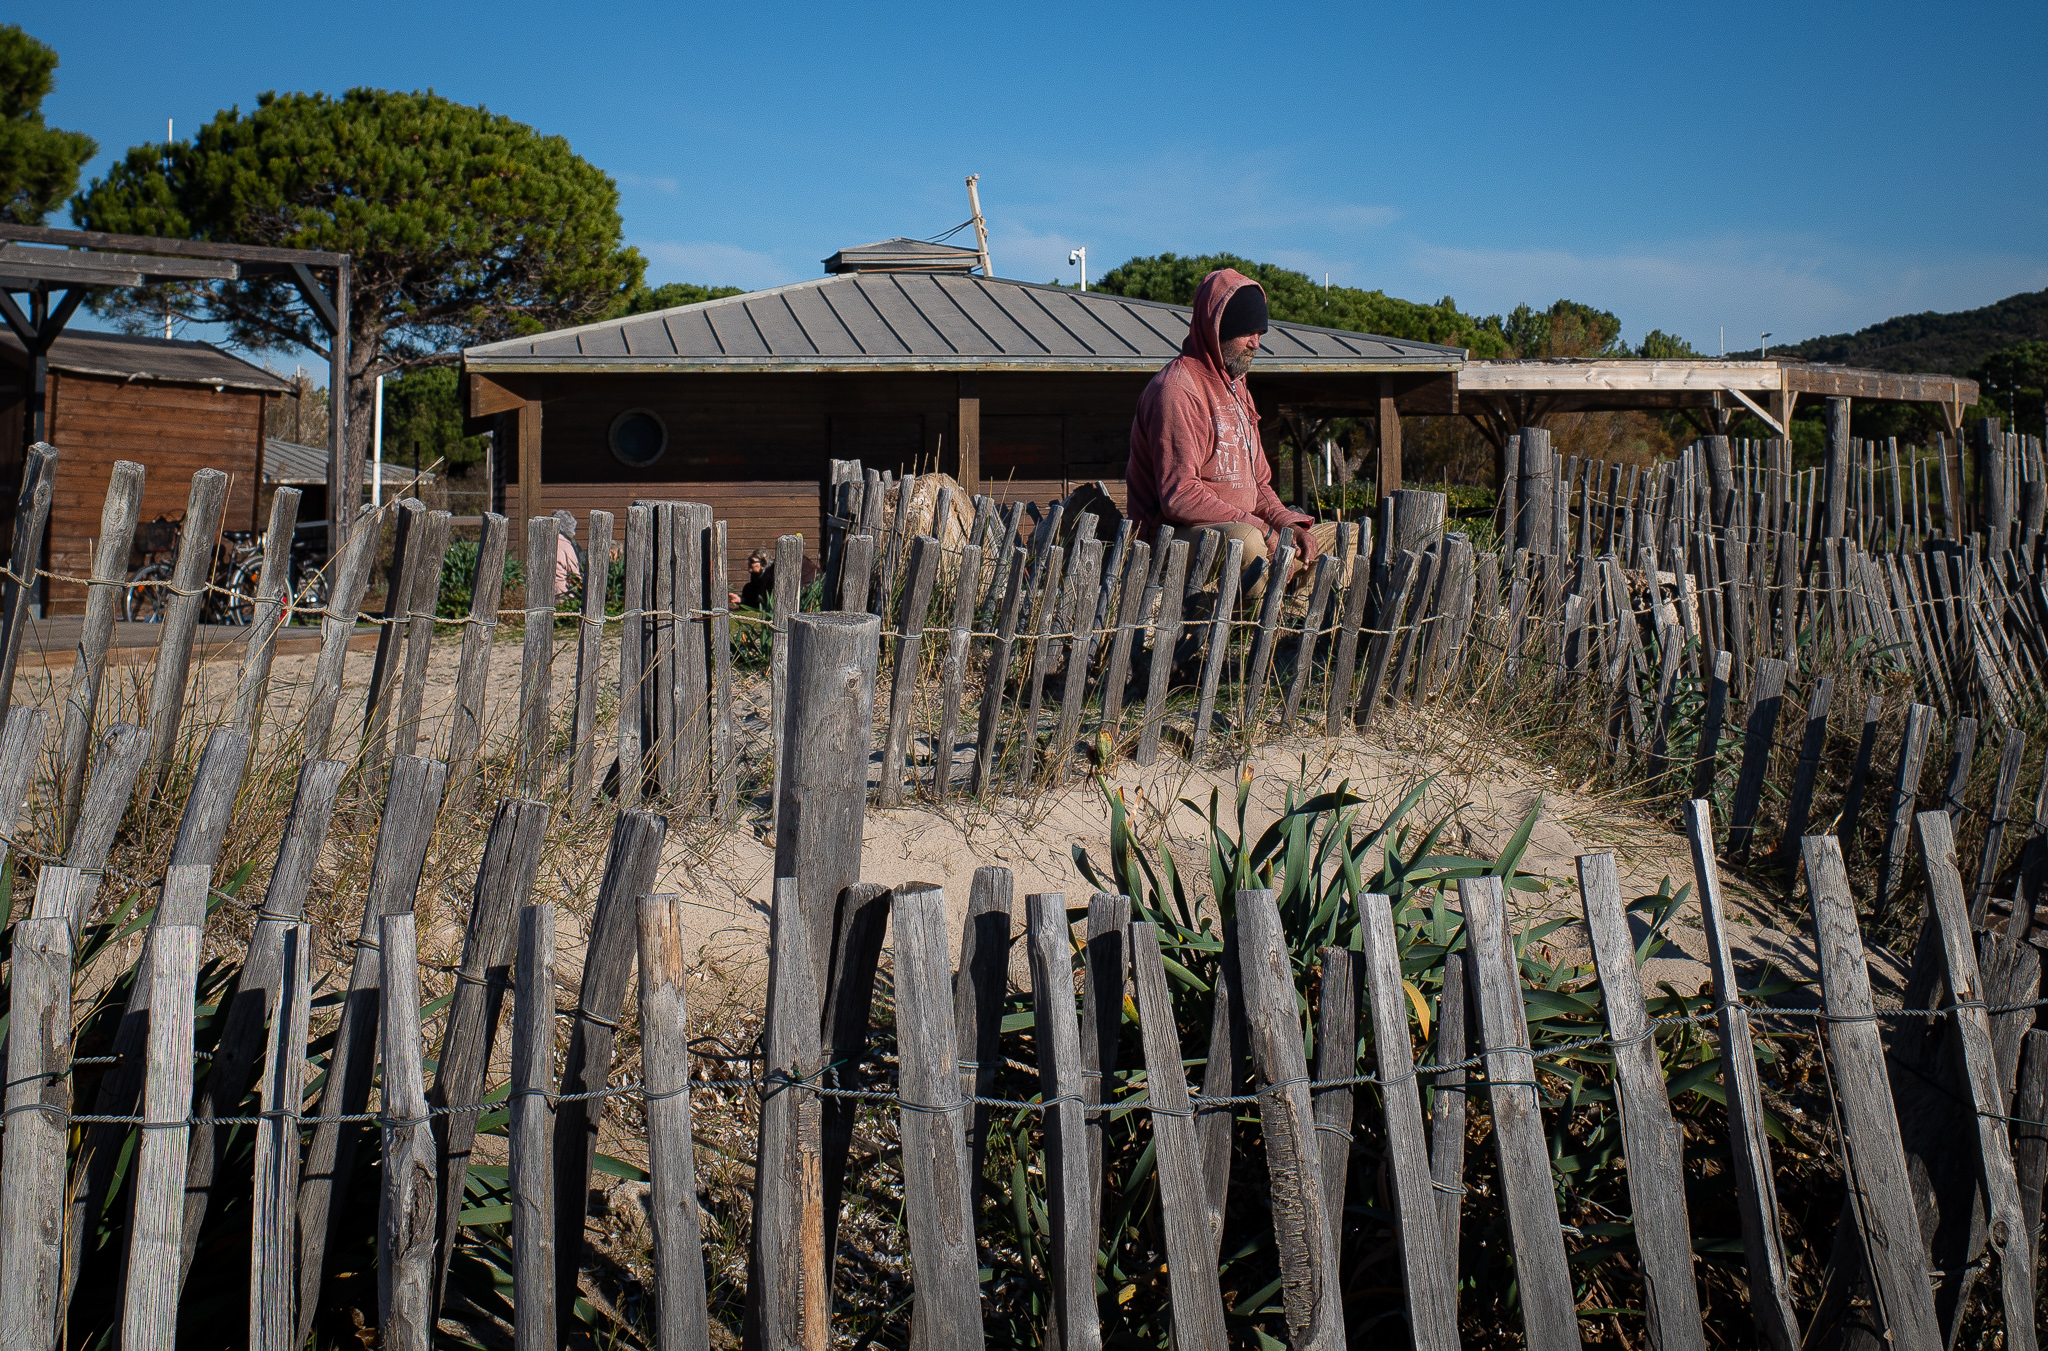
{"x":1196,"y":459}
{"x":760,"y":586}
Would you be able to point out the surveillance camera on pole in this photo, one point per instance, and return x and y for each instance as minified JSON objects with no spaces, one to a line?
{"x":1079,"y":257}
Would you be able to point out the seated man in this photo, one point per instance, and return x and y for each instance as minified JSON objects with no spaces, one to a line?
{"x":1196,"y":460}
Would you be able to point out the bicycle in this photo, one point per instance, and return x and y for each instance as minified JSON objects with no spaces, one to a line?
{"x":231,"y":594}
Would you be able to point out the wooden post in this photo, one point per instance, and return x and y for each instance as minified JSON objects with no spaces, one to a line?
{"x":1196,"y":1307}
{"x":189,"y":580}
{"x":1066,"y":732}
{"x":822,"y":781}
{"x":2009,"y":1240}
{"x":788,"y":600}
{"x":680,"y":1319}
{"x":995,"y":677}
{"x":526,"y":444}
{"x":337,"y":626}
{"x":1706,"y":758}
{"x":31,"y":521}
{"x":1400,"y":585}
{"x":1770,"y":1293}
{"x":788,"y":1299}
{"x":535,"y":1292}
{"x":979,"y":991}
{"x":38,"y":1101}
{"x":2001,"y":815}
{"x":1429,"y":1271}
{"x":537,"y":659}
{"x":917,"y":599}
{"x":257,"y":990}
{"x":1882,"y":1197}
{"x":1336,"y":1059}
{"x":724,"y":764}
{"x":692,"y":669}
{"x":419,"y":616}
{"x":504,"y":881}
{"x":1305,"y":650}
{"x":1105,"y":964}
{"x":967,"y":433}
{"x":629,"y":872}
{"x":408,"y":545}
{"x":1309,"y":1288}
{"x":1345,"y":661}
{"x":405,"y":1222}
{"x":1390,"y":439}
{"x":102,"y":1145}
{"x":1835,"y":472}
{"x":273,"y":1274}
{"x":407,"y":828}
{"x":1226,"y":1073}
{"x":1549,"y":1318}
{"x":636,"y":731}
{"x":1165,"y":637}
{"x":1268,"y":630}
{"x":149,"y":1310}
{"x":1447,"y":1119}
{"x":589,"y":656}
{"x":1905,"y":792}
{"x":109,"y":570}
{"x":1073,"y":1323}
{"x":937,"y":1189}
{"x":1042,"y":648}
{"x":473,"y":668}
{"x":1859,"y":777}
{"x":859,"y":922}
{"x":273,"y":607}
{"x":1650,"y":1136}
{"x":953,"y":675}
{"x":1810,"y":746}
{"x":1219,"y":641}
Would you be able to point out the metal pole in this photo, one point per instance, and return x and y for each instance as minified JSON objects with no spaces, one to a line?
{"x":377,"y":448}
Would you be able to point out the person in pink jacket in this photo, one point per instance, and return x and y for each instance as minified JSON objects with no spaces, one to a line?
{"x":1196,"y":458}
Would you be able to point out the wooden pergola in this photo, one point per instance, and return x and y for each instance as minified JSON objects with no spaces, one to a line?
{"x":1500,"y":397}
{"x":56,"y":269}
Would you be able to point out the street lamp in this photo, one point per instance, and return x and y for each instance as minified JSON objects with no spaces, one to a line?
{"x":1080,"y":257}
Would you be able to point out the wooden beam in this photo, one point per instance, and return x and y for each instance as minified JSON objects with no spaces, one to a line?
{"x":526,"y":437}
{"x":967,"y":435}
{"x":187,"y":269}
{"x":1390,"y":439}
{"x":484,"y":396}
{"x":177,"y":248}
{"x":1754,"y":407}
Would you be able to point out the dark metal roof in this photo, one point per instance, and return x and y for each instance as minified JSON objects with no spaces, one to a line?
{"x":904,"y":255}
{"x":291,"y":462}
{"x":923,"y":321}
{"x":131,"y":356}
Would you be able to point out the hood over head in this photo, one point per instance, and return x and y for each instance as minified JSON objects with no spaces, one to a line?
{"x":1203,"y":342}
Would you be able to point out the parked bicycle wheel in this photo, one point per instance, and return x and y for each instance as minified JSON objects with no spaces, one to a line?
{"x":238,"y":605}
{"x":144,"y":604}
{"x":309,"y":594}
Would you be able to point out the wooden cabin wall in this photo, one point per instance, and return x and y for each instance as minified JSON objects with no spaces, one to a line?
{"x":173,"y":431}
{"x":756,"y":447}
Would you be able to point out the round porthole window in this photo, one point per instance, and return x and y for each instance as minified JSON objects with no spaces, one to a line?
{"x":637,"y":437}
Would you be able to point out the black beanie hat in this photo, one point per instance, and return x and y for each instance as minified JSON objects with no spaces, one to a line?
{"x":1246,"y":313}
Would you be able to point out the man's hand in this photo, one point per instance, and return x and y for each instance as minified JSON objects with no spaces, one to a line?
{"x":1304,"y":545}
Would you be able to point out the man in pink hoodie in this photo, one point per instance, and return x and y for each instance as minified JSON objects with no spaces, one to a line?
{"x":1196,"y":459}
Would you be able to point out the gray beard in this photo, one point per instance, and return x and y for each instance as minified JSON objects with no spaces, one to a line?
{"x":1238,"y":365}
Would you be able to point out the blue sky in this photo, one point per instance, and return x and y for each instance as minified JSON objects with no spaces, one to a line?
{"x":1801,"y":169}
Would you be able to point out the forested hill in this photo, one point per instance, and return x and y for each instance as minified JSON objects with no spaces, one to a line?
{"x":1952,"y":344}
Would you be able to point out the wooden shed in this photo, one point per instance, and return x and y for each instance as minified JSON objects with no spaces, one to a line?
{"x":1017,"y":390}
{"x":173,"y":407}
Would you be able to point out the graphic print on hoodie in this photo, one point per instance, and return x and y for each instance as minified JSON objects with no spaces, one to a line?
{"x":1196,"y":458}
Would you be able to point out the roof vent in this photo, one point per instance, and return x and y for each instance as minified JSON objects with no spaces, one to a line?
{"x":904,"y":255}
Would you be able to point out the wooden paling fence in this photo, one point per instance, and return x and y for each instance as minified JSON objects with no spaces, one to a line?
{"x":1977,"y":993}
{"x":1653,"y":647}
